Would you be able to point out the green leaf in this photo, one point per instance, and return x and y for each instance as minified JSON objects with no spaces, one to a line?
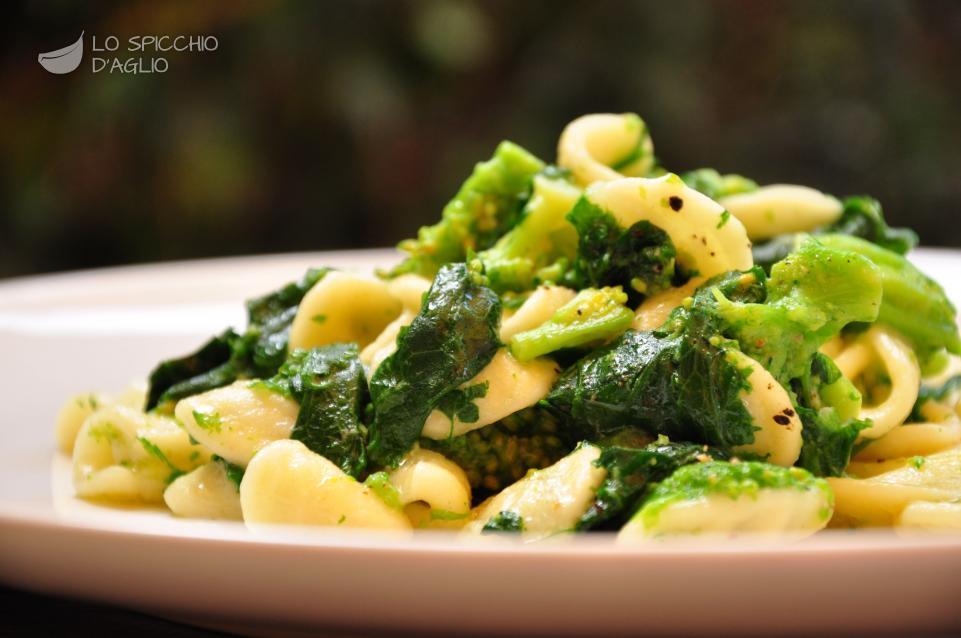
{"x":505,"y":521}
{"x":452,"y":338}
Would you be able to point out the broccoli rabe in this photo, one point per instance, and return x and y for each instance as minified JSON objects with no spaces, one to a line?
{"x":715,"y":185}
{"x":640,"y":258}
{"x":949,"y":391}
{"x":542,"y":246}
{"x":913,"y":304}
{"x":497,"y":455}
{"x":631,"y":469}
{"x":594,"y":315}
{"x":452,"y":338}
{"x":811,"y":295}
{"x":720,"y":496}
{"x":678,"y":380}
{"x":258,"y":352}
{"x":330,"y":385}
{"x":487,"y":205}
{"x":506,"y":521}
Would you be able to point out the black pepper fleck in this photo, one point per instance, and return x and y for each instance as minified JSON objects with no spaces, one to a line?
{"x":676,"y":203}
{"x":780,"y":419}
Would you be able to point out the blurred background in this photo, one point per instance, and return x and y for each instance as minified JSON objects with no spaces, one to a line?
{"x":320,"y":125}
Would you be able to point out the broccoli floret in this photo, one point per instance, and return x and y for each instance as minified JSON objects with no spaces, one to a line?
{"x":913,"y":304}
{"x":593,"y":315}
{"x":498,"y":455}
{"x":487,"y":205}
{"x":811,"y":295}
{"x":715,"y":185}
{"x":542,"y":245}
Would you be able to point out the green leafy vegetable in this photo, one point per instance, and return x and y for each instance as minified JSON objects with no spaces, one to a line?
{"x":379,"y":483}
{"x":639,"y":258}
{"x":913,"y":304}
{"x":259,"y":352}
{"x":631,"y":470}
{"x":542,"y":246}
{"x":448,"y":343}
{"x":715,"y":185}
{"x":505,"y":521}
{"x":331,"y":387}
{"x":746,"y":478}
{"x":948,"y":389}
{"x":235,"y":473}
{"x":487,"y":205}
{"x":590,"y":317}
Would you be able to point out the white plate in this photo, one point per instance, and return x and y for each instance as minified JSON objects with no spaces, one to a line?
{"x":99,"y":330}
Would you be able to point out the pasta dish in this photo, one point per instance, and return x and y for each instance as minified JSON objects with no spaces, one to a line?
{"x":597,"y":344}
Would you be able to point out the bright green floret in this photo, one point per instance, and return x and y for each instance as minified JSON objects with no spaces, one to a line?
{"x":542,"y":246}
{"x":594,"y":315}
{"x":811,"y":295}
{"x":913,"y":304}
{"x":487,"y":205}
{"x":734,"y":480}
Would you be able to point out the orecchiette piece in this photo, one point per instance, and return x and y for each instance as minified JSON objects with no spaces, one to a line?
{"x":343,"y":307}
{"x":912,"y":439}
{"x":511,"y":386}
{"x":779,"y":435}
{"x":905,"y":374}
{"x":124,"y":454}
{"x":789,"y":513}
{"x":536,"y":309}
{"x":606,"y":146}
{"x":385,"y":344}
{"x":654,"y":311}
{"x":204,"y":493}
{"x":930,"y":517}
{"x":782,"y":208}
{"x":237,"y":420}
{"x":707,"y":240}
{"x":72,"y":415}
{"x":879,"y":500}
{"x":427,"y":477}
{"x":550,"y":500}
{"x":286,"y":483}
{"x":409,"y":289}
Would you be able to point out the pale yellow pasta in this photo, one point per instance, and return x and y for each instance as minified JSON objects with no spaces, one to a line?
{"x":707,"y":240}
{"x":426,"y":477}
{"x":342,"y":308}
{"x":409,"y":290}
{"x":206,"y":492}
{"x":789,"y":512}
{"x":912,"y":439}
{"x":237,"y":420}
{"x":833,"y":347}
{"x":123,"y":454}
{"x":512,"y":385}
{"x":286,"y":483}
{"x":548,"y":501}
{"x":880,"y":499}
{"x":930,"y":517}
{"x":72,"y":415}
{"x":536,"y":309}
{"x":854,"y":359}
{"x":778,"y":437}
{"x":654,"y":311}
{"x":867,"y":469}
{"x":386,"y":342}
{"x":905,"y":374}
{"x":782,"y":208}
{"x":606,"y":146}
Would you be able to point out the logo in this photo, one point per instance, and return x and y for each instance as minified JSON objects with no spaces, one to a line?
{"x":63,"y":60}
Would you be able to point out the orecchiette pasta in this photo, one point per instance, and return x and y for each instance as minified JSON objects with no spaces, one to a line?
{"x":707,"y":241}
{"x":427,"y":477}
{"x":286,"y":483}
{"x":548,"y":501}
{"x":343,"y":307}
{"x":778,"y":434}
{"x":237,"y":420}
{"x":781,"y":208}
{"x":536,"y":309}
{"x":605,"y":147}
{"x":654,"y":310}
{"x":206,"y":492}
{"x":511,"y":386}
